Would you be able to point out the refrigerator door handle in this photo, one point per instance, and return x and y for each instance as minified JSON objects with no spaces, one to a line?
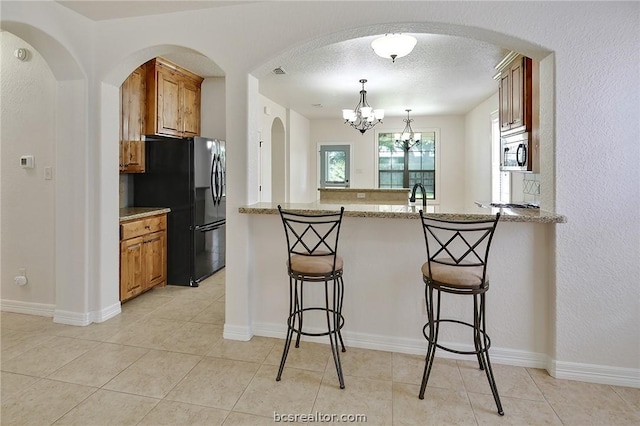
{"x":218,"y":183}
{"x":210,"y":226}
{"x":223,"y":179}
{"x":214,"y":187}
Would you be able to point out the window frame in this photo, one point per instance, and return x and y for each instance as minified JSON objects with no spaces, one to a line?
{"x":436,"y":132}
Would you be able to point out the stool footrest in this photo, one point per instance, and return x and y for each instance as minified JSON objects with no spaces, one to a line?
{"x":485,"y":347}
{"x":307,"y":333}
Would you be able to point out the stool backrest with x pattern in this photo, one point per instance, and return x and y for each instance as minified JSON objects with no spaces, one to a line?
{"x":312,"y":234}
{"x":458,"y":243}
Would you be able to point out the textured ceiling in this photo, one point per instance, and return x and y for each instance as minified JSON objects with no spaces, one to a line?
{"x":443,"y":74}
{"x":101,"y":10}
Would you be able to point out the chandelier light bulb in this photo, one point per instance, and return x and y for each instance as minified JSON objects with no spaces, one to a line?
{"x":393,"y":45}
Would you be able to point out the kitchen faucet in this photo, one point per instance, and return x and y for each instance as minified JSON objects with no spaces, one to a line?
{"x":424,"y":194}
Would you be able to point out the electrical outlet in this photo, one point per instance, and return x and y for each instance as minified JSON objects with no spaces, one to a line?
{"x":21,"y":278}
{"x":360,"y":195}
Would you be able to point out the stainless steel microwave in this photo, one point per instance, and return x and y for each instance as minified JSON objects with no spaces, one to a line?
{"x":516,"y":153}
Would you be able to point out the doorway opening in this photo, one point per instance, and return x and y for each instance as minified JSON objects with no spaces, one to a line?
{"x":335,"y":165}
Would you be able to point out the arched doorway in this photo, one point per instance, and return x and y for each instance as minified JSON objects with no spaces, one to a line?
{"x":51,"y":127}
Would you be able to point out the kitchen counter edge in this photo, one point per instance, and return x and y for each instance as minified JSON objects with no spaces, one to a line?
{"x":132,"y":213}
{"x":390,"y":211}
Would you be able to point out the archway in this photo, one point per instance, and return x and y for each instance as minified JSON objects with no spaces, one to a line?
{"x":111,"y":181}
{"x":63,"y":290}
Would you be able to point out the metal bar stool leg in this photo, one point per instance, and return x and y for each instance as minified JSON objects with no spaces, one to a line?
{"x":300,"y":310}
{"x":332,"y":314}
{"x":433,"y":324}
{"x":484,"y":353}
{"x":340,"y":288}
{"x":291,"y":322}
{"x":476,"y":332}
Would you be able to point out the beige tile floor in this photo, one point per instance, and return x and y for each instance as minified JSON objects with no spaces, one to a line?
{"x":163,"y":361}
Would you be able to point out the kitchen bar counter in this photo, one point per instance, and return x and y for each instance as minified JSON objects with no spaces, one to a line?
{"x":130,"y":213}
{"x":405,"y":211}
{"x":384,"y":306}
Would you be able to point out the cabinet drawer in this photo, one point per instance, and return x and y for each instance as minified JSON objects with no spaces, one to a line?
{"x":143,"y":226}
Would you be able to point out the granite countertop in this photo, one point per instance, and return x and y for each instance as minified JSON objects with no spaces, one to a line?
{"x":390,"y":190}
{"x":131,"y":213}
{"x":405,"y":211}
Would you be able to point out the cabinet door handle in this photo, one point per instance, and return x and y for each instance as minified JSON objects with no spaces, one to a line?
{"x":147,"y":227}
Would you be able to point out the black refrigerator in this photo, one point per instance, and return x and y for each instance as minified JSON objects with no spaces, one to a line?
{"x":187,"y":176}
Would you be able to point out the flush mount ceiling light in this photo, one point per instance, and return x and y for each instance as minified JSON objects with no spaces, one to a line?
{"x":362,"y":117}
{"x":407,"y":139}
{"x":393,"y":45}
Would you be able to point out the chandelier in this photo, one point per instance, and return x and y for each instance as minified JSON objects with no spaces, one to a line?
{"x":363,"y":117}
{"x":393,"y":45}
{"x":407,"y":139}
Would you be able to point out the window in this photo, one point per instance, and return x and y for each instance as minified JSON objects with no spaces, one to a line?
{"x":399,"y":168}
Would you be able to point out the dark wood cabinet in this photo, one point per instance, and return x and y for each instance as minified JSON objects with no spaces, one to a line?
{"x":519,"y":110}
{"x":133,"y":95}
{"x":173,"y":100}
{"x":515,"y":93}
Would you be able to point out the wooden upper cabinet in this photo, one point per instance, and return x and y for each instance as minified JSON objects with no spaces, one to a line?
{"x":173,"y":100}
{"x":190,"y":108}
{"x":167,"y":108}
{"x":505,"y":101}
{"x":133,"y":96}
{"x":515,"y":93}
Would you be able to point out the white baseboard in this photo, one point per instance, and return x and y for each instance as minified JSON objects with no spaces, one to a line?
{"x":106,"y":313}
{"x":71,"y":318}
{"x":39,"y":309}
{"x":60,"y":316}
{"x":82,"y":319}
{"x":562,"y":370}
{"x":235,"y":332}
{"x":593,"y":373}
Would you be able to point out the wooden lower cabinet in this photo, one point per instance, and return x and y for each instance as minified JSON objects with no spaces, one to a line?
{"x":143,"y":255}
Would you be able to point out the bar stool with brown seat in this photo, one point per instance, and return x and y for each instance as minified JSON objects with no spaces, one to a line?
{"x":457,"y":254}
{"x":312,"y":245}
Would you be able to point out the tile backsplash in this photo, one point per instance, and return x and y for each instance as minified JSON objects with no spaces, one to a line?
{"x":125,"y":194}
{"x":531,"y":187}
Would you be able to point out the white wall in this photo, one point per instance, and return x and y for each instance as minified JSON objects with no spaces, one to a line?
{"x":452,"y":150}
{"x":302,"y":185}
{"x":477,"y":185}
{"x":212,"y":109}
{"x":597,"y":104}
{"x":29,"y":98}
